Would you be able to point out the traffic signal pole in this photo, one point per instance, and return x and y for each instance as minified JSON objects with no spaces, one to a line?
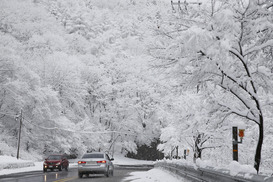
{"x":235,"y":141}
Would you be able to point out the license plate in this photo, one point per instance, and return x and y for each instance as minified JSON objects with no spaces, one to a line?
{"x":92,"y":162}
{"x":50,"y":166}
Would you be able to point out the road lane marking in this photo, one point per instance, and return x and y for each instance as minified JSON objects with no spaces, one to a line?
{"x":66,"y":179}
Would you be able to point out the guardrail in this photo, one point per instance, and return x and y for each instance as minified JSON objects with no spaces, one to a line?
{"x":134,"y":166}
{"x":210,"y":174}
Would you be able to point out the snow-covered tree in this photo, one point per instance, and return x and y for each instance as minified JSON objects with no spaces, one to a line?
{"x":227,"y":53}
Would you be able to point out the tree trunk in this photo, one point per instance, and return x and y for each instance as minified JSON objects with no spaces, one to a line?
{"x":197,"y":154}
{"x":200,"y":154}
{"x":259,"y":145}
{"x":197,"y":150}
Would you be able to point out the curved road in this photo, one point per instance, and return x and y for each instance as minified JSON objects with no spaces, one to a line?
{"x":71,"y":175}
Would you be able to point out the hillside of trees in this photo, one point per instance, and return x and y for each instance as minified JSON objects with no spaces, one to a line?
{"x":91,"y":75}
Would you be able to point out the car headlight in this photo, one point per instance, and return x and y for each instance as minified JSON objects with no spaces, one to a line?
{"x":58,"y":163}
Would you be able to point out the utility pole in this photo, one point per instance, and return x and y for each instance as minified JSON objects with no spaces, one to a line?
{"x":19,"y":133}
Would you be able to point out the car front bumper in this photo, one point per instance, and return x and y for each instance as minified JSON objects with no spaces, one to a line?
{"x":52,"y":166}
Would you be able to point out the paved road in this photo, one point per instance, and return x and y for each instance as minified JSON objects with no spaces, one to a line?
{"x":71,"y":176}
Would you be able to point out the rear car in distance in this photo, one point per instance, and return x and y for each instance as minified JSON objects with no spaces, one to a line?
{"x":95,"y":163}
{"x":56,"y":161}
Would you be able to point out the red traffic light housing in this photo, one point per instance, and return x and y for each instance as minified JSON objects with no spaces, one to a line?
{"x":241,"y":133}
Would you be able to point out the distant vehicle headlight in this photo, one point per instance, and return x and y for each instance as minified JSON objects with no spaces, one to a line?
{"x":45,"y":163}
{"x":58,"y":163}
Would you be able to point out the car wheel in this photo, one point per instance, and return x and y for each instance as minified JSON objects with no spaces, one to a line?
{"x":107,"y":173}
{"x":45,"y":170}
{"x":80,"y":175}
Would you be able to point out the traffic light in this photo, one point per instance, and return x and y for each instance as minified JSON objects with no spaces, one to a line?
{"x":241,"y":133}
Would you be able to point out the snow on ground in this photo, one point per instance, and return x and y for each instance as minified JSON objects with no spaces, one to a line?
{"x":121,"y":160}
{"x":235,"y":168}
{"x":8,"y":162}
{"x":153,"y":175}
{"x":37,"y":166}
{"x":10,"y":165}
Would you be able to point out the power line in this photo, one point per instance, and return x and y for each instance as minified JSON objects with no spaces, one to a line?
{"x":68,"y":130}
{"x":185,"y":4}
{"x":9,"y":114}
{"x":81,"y":132}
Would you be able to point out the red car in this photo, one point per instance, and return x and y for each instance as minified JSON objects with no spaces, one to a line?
{"x":56,"y":162}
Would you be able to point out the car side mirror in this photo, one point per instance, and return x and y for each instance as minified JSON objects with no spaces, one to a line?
{"x":111,"y":159}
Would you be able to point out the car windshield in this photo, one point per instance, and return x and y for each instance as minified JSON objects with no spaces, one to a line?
{"x":54,"y":157}
{"x":93,"y":156}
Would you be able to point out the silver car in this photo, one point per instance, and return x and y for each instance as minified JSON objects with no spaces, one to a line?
{"x":95,"y":163}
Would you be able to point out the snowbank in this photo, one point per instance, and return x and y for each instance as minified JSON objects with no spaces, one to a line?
{"x":153,"y":175}
{"x":121,"y":160}
{"x":9,"y":165}
{"x":235,"y":168}
{"x":8,"y":162}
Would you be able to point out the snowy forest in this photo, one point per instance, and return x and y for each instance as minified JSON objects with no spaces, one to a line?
{"x":86,"y":75}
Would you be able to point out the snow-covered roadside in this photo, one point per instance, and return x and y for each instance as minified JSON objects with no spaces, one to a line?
{"x":37,"y":166}
{"x":154,"y":175}
{"x":9,"y":165}
{"x":8,"y":162}
{"x":121,"y":160}
{"x":233,"y":167}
